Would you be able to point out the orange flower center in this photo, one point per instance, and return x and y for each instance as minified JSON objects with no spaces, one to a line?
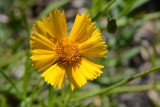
{"x":67,"y":51}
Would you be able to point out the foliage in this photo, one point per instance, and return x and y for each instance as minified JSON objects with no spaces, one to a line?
{"x":21,"y":85}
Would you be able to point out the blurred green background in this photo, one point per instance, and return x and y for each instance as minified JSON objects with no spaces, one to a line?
{"x":131,"y":29}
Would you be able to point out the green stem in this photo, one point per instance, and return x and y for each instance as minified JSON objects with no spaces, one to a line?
{"x":104,"y":9}
{"x":136,"y":88}
{"x":26,"y":75}
{"x":125,"y":81}
{"x":10,"y":81}
{"x":127,"y":9}
{"x":26,"y":25}
{"x":108,"y":5}
{"x":51,"y":97}
{"x":68,"y":99}
{"x":151,"y":16}
{"x":36,"y":90}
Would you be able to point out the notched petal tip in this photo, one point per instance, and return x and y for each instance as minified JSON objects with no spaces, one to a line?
{"x":54,"y":75}
{"x":56,"y":24}
{"x":86,"y":70}
{"x":82,"y":28}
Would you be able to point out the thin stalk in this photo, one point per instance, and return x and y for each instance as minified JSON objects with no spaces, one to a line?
{"x":104,"y":9}
{"x":68,"y":99}
{"x":51,"y":97}
{"x":36,"y":90}
{"x":123,"y":82}
{"x":26,"y":75}
{"x":10,"y":81}
{"x":127,"y":9}
{"x":136,"y":88}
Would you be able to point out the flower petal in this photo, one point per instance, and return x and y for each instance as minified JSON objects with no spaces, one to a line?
{"x":82,"y":28}
{"x":75,"y":77}
{"x":93,"y":47}
{"x":89,"y":69}
{"x":40,"y":28}
{"x":43,"y":51}
{"x":85,"y":70}
{"x":42,"y":62}
{"x":56,"y":24}
{"x":55,"y":75}
{"x":39,"y":41}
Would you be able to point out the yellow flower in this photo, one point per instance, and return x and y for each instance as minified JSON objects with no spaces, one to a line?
{"x":64,"y":56}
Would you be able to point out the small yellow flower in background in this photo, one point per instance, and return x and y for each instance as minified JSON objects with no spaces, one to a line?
{"x":60,"y":55}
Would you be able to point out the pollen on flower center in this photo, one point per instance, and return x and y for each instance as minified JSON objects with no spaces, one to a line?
{"x":67,"y":51}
